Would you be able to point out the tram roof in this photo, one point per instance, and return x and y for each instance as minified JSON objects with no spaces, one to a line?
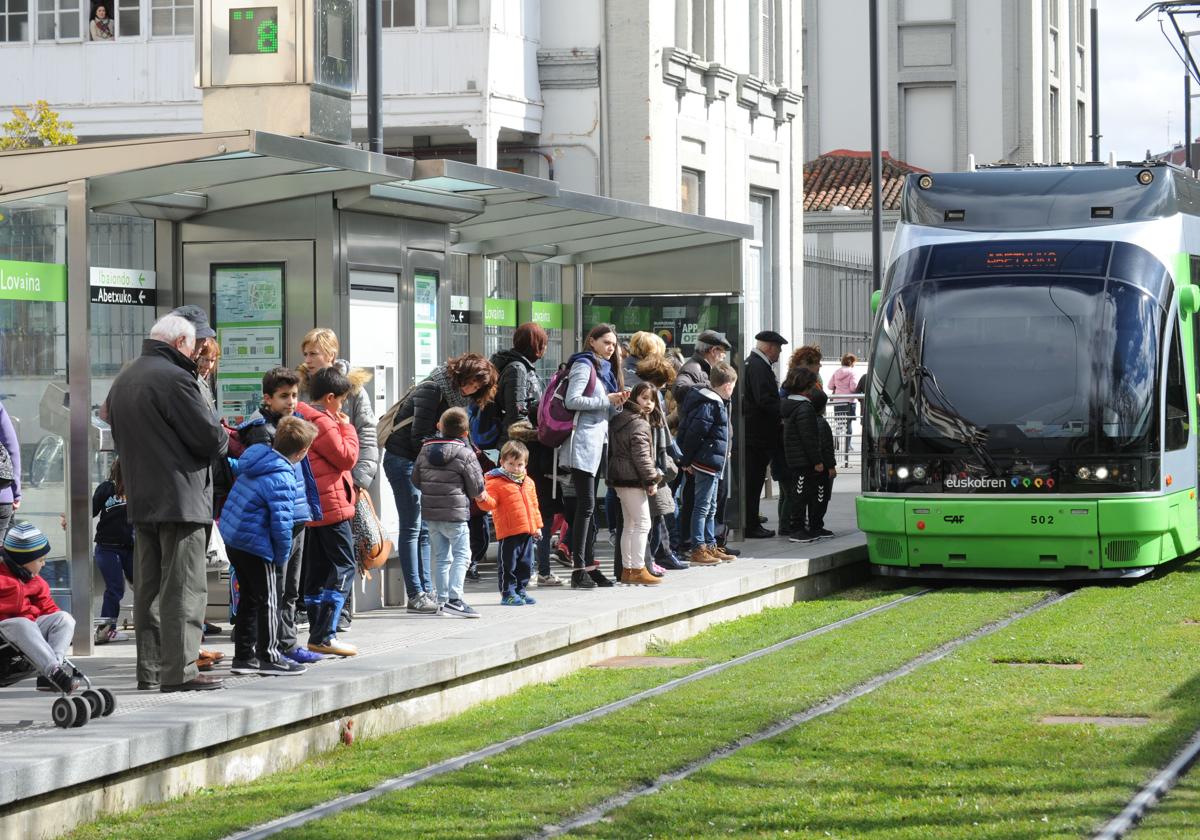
{"x":490,"y":212}
{"x":1037,"y":197}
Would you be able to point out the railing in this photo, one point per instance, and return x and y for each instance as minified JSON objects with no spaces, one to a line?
{"x":844,"y":412}
{"x":837,"y":301}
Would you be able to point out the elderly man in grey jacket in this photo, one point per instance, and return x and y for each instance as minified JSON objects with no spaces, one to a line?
{"x":167,"y":437}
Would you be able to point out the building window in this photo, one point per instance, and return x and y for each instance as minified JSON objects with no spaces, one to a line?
{"x":1055,"y":155}
{"x":128,"y":17}
{"x":762,"y":39}
{"x":762,"y":304}
{"x":14,"y":20}
{"x":1078,"y":21}
{"x":170,"y":17}
{"x":691,"y":26}
{"x":399,"y":13}
{"x":691,"y":191}
{"x":1081,"y":145}
{"x":58,"y":20}
{"x":431,"y":14}
{"x":467,"y":12}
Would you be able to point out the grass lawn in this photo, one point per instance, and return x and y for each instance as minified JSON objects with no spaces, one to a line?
{"x":213,"y":813}
{"x":515,"y":794}
{"x":1176,"y":816}
{"x":958,"y":750}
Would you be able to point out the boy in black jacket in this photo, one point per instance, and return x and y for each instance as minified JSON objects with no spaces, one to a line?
{"x":824,"y":481}
{"x":802,"y":449}
{"x":704,"y":440}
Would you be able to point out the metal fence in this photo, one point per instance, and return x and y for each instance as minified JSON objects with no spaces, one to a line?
{"x":837,"y":301}
{"x":844,"y":413}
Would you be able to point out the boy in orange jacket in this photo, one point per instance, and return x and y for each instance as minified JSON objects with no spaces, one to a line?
{"x":517,"y":520}
{"x":329,"y":543}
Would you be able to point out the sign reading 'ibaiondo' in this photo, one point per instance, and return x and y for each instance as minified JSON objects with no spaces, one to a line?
{"x":33,"y":281}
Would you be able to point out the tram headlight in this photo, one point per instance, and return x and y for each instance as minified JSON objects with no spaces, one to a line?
{"x":1084,"y":473}
{"x":1101,"y":473}
{"x":919,"y":473}
{"x":902,"y":473}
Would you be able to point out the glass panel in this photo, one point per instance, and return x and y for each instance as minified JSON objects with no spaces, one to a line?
{"x":161,"y":4}
{"x":45,"y":5}
{"x":45,"y":27}
{"x":387,"y":16}
{"x":691,"y":191}
{"x":1177,"y":401}
{"x":437,"y":12}
{"x":546,"y":282}
{"x":18,"y":6}
{"x":33,"y":355}
{"x":3,"y":28}
{"x":468,"y":13}
{"x":68,"y":21}
{"x":501,"y":285}
{"x":18,"y":27}
{"x":183,"y":21}
{"x":129,"y":23}
{"x":404,"y":13}
{"x":460,"y":329}
{"x":161,"y":22}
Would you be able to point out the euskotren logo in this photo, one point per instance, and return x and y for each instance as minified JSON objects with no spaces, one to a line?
{"x":966,"y":482}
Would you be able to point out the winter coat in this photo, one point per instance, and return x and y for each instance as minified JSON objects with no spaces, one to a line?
{"x":819,"y":400}
{"x":23,"y":595}
{"x":519,"y":390}
{"x":166,"y":435}
{"x":332,"y":455}
{"x":693,"y":374}
{"x":631,"y":452}
{"x":584,"y":448}
{"x":425,"y":404}
{"x":448,"y":475}
{"x":704,"y":433}
{"x":259,"y":428}
{"x":843,"y":381}
{"x":760,"y":403}
{"x":362,"y":416}
{"x":8,"y":437}
{"x":259,"y":513}
{"x":801,"y":435}
{"x":516,"y":508}
{"x":113,"y":527}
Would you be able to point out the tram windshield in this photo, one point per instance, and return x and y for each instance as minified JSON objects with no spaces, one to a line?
{"x":987,"y":353}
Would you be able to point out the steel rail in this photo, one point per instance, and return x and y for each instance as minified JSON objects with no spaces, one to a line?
{"x":1152,"y":792}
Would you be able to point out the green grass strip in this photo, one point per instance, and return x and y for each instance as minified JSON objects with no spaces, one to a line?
{"x":566,"y":773}
{"x":957,"y":750}
{"x":1178,"y":815}
{"x":217,"y":812}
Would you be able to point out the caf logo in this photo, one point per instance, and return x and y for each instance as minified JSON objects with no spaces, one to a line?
{"x":954,"y":520}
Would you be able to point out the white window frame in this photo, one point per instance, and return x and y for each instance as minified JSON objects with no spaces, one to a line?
{"x":138,"y":6}
{"x":698,"y":174}
{"x":61,"y":9}
{"x":767,"y":248}
{"x":692,"y":27}
{"x":421,"y":17}
{"x":174,"y":6}
{"x":30,"y":15}
{"x":764,"y":15}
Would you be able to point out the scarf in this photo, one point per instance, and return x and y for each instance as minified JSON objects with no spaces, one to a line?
{"x":516,"y":478}
{"x":604,"y":371}
{"x":104,"y":26}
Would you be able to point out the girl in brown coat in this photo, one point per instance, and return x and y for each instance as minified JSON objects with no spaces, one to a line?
{"x":633,"y":474}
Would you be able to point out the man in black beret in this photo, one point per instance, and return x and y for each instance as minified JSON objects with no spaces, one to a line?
{"x":760,"y":413}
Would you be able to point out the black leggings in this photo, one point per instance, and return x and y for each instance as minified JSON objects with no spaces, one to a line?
{"x":583,"y":528}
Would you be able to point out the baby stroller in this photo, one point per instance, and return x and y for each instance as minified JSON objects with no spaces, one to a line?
{"x":68,"y":710}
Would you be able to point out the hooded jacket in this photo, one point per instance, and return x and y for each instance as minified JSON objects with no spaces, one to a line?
{"x":260,"y":510}
{"x":167,"y":437}
{"x":362,"y":416}
{"x":448,"y":475}
{"x":801,"y":435}
{"x":332,"y":455}
{"x":819,"y":401}
{"x":516,"y":510}
{"x":425,"y":405}
{"x":260,"y":427}
{"x":703,"y":430}
{"x":519,"y":390}
{"x":22,"y":594}
{"x":631,"y":451}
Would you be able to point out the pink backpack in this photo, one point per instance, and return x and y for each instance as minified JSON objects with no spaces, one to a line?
{"x":555,"y":420}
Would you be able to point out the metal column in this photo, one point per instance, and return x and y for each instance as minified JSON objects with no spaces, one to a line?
{"x":79,"y":388}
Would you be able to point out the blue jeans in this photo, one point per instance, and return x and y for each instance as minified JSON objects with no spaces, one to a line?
{"x":412,"y":543}
{"x":704,"y":509}
{"x":116,"y":565}
{"x":451,"y":544}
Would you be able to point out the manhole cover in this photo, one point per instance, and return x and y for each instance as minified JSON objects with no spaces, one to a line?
{"x":1097,"y":720}
{"x":1192,"y":621}
{"x":644,"y":662}
{"x":1069,"y":666}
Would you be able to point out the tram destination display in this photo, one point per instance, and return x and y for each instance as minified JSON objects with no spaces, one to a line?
{"x":254,"y":31}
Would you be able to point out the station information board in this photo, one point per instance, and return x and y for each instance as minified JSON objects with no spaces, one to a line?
{"x":254,"y":31}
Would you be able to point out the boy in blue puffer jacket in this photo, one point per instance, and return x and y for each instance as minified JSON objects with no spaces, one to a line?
{"x":705,"y":439}
{"x":256,"y":525}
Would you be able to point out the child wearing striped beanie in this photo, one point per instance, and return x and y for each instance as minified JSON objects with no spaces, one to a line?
{"x":29,"y":618}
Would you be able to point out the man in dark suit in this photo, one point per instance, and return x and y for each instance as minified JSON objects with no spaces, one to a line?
{"x":760,"y":412}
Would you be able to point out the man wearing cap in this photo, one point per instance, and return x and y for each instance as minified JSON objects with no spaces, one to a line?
{"x":167,"y":436}
{"x":760,"y":412}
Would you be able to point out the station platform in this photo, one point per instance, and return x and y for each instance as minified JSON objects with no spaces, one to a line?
{"x":411,"y":670}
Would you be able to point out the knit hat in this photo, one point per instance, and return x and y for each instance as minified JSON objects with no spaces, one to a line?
{"x":25,"y":543}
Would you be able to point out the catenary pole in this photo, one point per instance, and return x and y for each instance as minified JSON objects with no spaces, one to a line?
{"x":374,"y":59}
{"x":1095,"y":82}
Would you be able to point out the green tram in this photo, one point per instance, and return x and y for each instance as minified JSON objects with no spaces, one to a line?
{"x":1031,"y":410}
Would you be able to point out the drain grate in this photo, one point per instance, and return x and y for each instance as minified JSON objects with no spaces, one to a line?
{"x":644,"y":662}
{"x":1038,"y":663}
{"x":1097,"y":720}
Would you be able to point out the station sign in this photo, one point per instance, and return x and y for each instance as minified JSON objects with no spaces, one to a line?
{"x":123,"y":286}
{"x":46,"y":282}
{"x":460,"y":309}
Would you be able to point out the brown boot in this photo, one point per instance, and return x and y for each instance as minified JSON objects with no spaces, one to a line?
{"x":639,"y":577}
{"x":701,"y":557}
{"x":721,"y":556}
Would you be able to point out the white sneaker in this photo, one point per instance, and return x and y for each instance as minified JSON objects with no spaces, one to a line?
{"x":106,"y":634}
{"x":549,"y":580}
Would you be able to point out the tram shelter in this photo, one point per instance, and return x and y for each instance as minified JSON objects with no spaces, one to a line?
{"x":411,"y":262}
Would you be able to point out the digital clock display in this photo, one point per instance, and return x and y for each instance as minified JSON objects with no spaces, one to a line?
{"x":254,"y":31}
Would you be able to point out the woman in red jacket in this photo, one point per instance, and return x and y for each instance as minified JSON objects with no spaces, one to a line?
{"x":29,"y":618}
{"x":329,"y":543}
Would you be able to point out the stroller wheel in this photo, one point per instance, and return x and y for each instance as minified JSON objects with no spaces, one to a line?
{"x":95,"y":702}
{"x":63,"y":713}
{"x":110,"y":701}
{"x":82,"y":712}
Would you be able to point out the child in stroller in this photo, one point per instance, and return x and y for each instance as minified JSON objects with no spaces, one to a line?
{"x":35,"y":633}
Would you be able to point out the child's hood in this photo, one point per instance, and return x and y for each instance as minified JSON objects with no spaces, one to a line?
{"x":441,"y":451}
{"x":260,"y":460}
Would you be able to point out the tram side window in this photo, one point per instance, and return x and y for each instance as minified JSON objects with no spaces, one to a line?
{"x":1177,"y":400}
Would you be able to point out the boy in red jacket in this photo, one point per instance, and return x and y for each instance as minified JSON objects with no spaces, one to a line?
{"x":518,"y":522}
{"x":29,"y":619}
{"x":329,"y":543}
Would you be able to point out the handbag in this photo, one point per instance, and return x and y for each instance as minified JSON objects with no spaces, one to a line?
{"x":662,"y":502}
{"x":6,"y":467}
{"x":372,"y":549}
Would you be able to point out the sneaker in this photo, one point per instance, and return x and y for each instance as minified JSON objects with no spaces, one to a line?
{"x":422,"y":604}
{"x":334,"y":648}
{"x":107,"y":633}
{"x":802,"y":536}
{"x":824,"y":532}
{"x":655,"y":569}
{"x":473,"y":572}
{"x":672,"y":563}
{"x":701,"y":557}
{"x":512,"y":600}
{"x":59,"y":680}
{"x":726,"y":550}
{"x":303,"y":656}
{"x":524,"y":596}
{"x":549,"y":580}
{"x":284,"y":668}
{"x":212,"y":629}
{"x":459,"y":609}
{"x":721,"y":554}
{"x":245,"y":666}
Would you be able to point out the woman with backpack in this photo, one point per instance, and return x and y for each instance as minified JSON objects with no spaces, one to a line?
{"x":517,"y":398}
{"x":594,"y":392}
{"x":462,"y":380}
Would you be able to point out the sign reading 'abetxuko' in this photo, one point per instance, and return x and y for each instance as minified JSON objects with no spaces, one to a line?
{"x":46,"y":282}
{"x":123,"y":286}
